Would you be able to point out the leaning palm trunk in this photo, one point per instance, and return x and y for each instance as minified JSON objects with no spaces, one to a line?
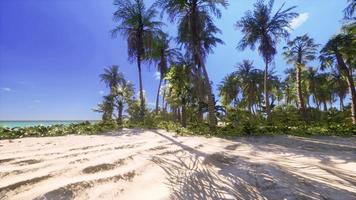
{"x":348,"y":73}
{"x":301,"y":103}
{"x":158,"y":91}
{"x":211,"y":103}
{"x":265,"y":87}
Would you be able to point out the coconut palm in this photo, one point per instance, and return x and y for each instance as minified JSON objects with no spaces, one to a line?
{"x":340,"y":87}
{"x":251,"y":81}
{"x":112,"y":78}
{"x":136,"y":23}
{"x":229,"y":89}
{"x":196,"y":32}
{"x":265,"y":28}
{"x":106,"y":108}
{"x":339,"y":52}
{"x":162,"y":55}
{"x":179,"y":87}
{"x":121,"y":91}
{"x":323,"y":90}
{"x":123,"y":96}
{"x":299,"y":51}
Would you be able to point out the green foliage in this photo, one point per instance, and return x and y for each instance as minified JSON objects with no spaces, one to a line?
{"x":85,"y":128}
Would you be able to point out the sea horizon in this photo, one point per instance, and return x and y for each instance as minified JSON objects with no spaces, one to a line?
{"x":29,"y":123}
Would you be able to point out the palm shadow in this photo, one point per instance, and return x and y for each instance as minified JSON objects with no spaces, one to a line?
{"x":193,"y":174}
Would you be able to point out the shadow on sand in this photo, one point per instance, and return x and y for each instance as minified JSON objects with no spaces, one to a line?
{"x":193,"y":174}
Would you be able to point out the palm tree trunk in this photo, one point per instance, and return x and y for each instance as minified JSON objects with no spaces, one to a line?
{"x":352,"y":96}
{"x":157,"y":97}
{"x":299,"y":89}
{"x":211,"y":101}
{"x":119,"y":114}
{"x":163,"y":100}
{"x":265,"y":87}
{"x":142,"y":103}
{"x":348,"y":73}
{"x":184,"y":115}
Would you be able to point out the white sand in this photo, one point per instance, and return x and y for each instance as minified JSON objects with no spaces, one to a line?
{"x":137,"y":164}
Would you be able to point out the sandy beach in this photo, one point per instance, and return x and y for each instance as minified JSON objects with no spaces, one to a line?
{"x":155,"y":164}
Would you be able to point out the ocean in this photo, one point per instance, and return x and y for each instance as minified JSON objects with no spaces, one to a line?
{"x":12,"y":124}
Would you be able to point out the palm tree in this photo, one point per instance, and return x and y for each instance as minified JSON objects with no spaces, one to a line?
{"x":121,"y":91}
{"x":323,"y":90}
{"x":263,"y":27}
{"x":229,"y":89}
{"x":123,"y":95}
{"x":299,"y":51}
{"x":106,"y":107}
{"x":137,"y":24}
{"x":196,"y":32}
{"x":340,"y":87}
{"x":340,"y":52}
{"x":251,"y":80}
{"x":112,"y":77}
{"x":162,"y":54}
{"x":179,"y":88}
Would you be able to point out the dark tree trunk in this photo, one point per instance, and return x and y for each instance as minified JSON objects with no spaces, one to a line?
{"x":352,"y":95}
{"x":142,"y":101}
{"x":211,"y":101}
{"x":325,"y":106}
{"x":348,"y":73}
{"x":157,"y":97}
{"x":301,"y":103}
{"x":119,"y":114}
{"x":265,"y":87}
{"x":184,"y":114}
{"x":164,"y":108}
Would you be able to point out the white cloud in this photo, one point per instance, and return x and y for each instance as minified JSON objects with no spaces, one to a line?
{"x":298,"y":21}
{"x":101,"y":92}
{"x":37,"y":101}
{"x":6,"y":89}
{"x":157,"y":75}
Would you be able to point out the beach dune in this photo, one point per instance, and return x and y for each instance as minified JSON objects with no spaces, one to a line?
{"x":155,"y":164}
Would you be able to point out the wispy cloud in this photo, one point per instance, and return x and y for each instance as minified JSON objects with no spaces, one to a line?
{"x":101,"y":92}
{"x":37,"y":101}
{"x":298,"y":21}
{"x":6,"y":89}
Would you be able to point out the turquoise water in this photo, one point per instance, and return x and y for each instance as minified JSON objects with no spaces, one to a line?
{"x":12,"y":124}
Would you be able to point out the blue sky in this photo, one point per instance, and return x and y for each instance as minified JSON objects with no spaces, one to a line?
{"x":51,"y":52}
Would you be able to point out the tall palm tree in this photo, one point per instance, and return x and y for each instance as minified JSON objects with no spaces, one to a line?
{"x":339,"y":52}
{"x":136,"y":23}
{"x":196,"y":31}
{"x":162,"y":55}
{"x":299,"y":51}
{"x":265,"y":28}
